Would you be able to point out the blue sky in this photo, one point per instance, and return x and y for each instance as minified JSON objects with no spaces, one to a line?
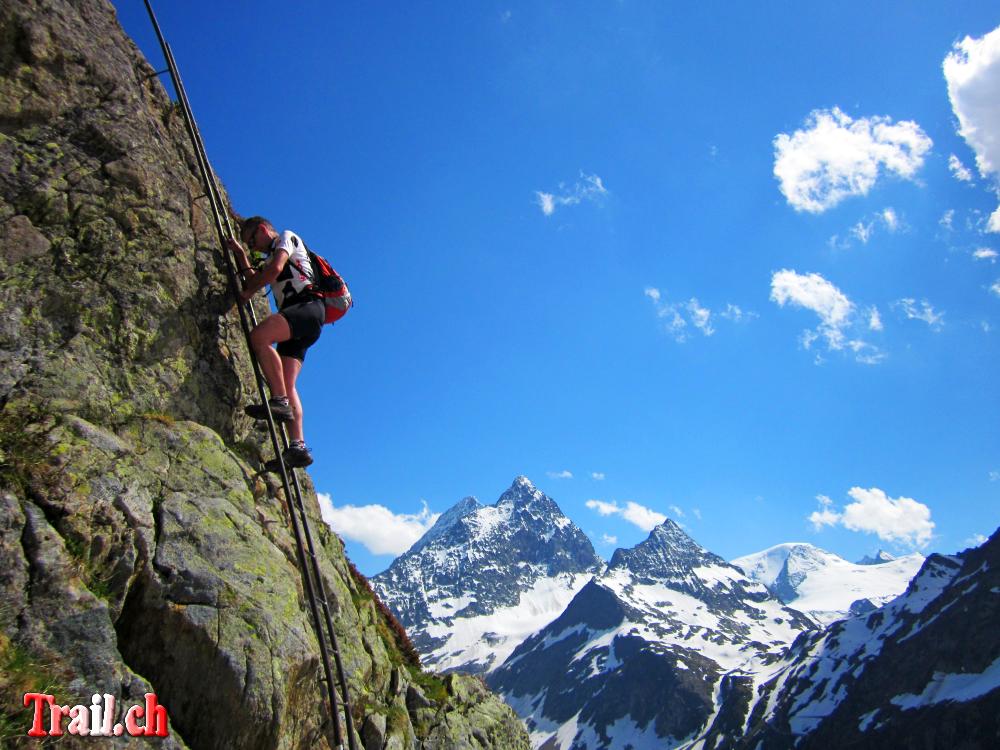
{"x":732,"y":264}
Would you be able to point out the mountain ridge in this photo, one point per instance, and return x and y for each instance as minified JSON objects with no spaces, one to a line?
{"x":656,"y":629}
{"x":670,"y":645}
{"x":920,"y":671}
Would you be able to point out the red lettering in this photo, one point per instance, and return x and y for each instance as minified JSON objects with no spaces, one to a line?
{"x":55,"y":723}
{"x":136,"y":712}
{"x":36,"y":722}
{"x":79,"y":725}
{"x":157,"y":716}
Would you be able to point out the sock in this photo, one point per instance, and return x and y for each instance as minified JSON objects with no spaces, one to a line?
{"x":279,"y":401}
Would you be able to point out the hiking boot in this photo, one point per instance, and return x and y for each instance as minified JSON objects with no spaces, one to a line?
{"x":281,"y":410}
{"x":297,"y":456}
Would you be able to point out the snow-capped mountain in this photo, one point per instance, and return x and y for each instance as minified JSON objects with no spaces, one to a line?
{"x":637,"y":658}
{"x":484,"y":578}
{"x":828,"y":587}
{"x":921,"y":671}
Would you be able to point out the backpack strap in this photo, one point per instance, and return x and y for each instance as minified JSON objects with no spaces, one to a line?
{"x":297,"y":267}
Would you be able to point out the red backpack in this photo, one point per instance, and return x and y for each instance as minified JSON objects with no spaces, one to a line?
{"x":329,"y":285}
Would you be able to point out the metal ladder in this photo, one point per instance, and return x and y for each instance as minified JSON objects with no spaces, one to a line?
{"x":315,"y":588}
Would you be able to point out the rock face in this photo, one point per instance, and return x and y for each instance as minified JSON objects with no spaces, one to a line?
{"x":139,"y":550}
{"x":921,"y":671}
{"x":484,"y":578}
{"x":644,"y":654}
{"x":825,"y":586}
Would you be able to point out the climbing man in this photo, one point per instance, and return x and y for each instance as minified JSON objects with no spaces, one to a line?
{"x":294,"y":328}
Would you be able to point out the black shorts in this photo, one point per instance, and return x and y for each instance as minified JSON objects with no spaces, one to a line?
{"x":306,"y":322}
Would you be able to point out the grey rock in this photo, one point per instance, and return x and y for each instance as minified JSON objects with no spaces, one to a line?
{"x":19,"y":240}
{"x":373,"y":732}
{"x":416,"y":700}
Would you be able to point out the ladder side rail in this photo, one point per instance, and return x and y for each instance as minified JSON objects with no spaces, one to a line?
{"x":341,"y":676}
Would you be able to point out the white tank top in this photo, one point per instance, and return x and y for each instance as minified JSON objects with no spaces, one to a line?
{"x":292,"y":280}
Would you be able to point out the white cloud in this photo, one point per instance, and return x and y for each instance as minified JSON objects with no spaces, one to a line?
{"x":996,"y":288}
{"x":925,"y":312}
{"x":813,"y":292}
{"x":874,"y":320}
{"x":865,"y":353}
{"x":835,"y":157}
{"x":985,"y":253}
{"x":603,"y":508}
{"x":701,"y":317}
{"x":948,"y":219}
{"x":564,"y":474}
{"x":737,"y":314}
{"x":632,"y":512}
{"x":679,"y":317}
{"x":891,"y":219}
{"x":547,"y":202}
{"x":959,"y":170}
{"x":697,"y":513}
{"x":900,"y":520}
{"x":381,"y":531}
{"x":824,"y":517}
{"x":589,"y":188}
{"x":995,"y":476}
{"x":643,"y":517}
{"x":835,"y":243}
{"x":863,"y":231}
{"x":597,"y":476}
{"x":676,"y":511}
{"x":608,"y":539}
{"x":972,"y":70}
{"x":673,"y":322}
{"x":976,"y":540}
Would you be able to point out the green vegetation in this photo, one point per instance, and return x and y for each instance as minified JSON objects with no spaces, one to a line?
{"x":20,"y":673}
{"x":397,"y":642}
{"x":25,"y":453}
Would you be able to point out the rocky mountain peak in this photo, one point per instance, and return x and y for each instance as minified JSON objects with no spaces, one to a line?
{"x":879,"y":558}
{"x":666,"y":553}
{"x":447,"y":520}
{"x":522,"y":492}
{"x":504,"y":565}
